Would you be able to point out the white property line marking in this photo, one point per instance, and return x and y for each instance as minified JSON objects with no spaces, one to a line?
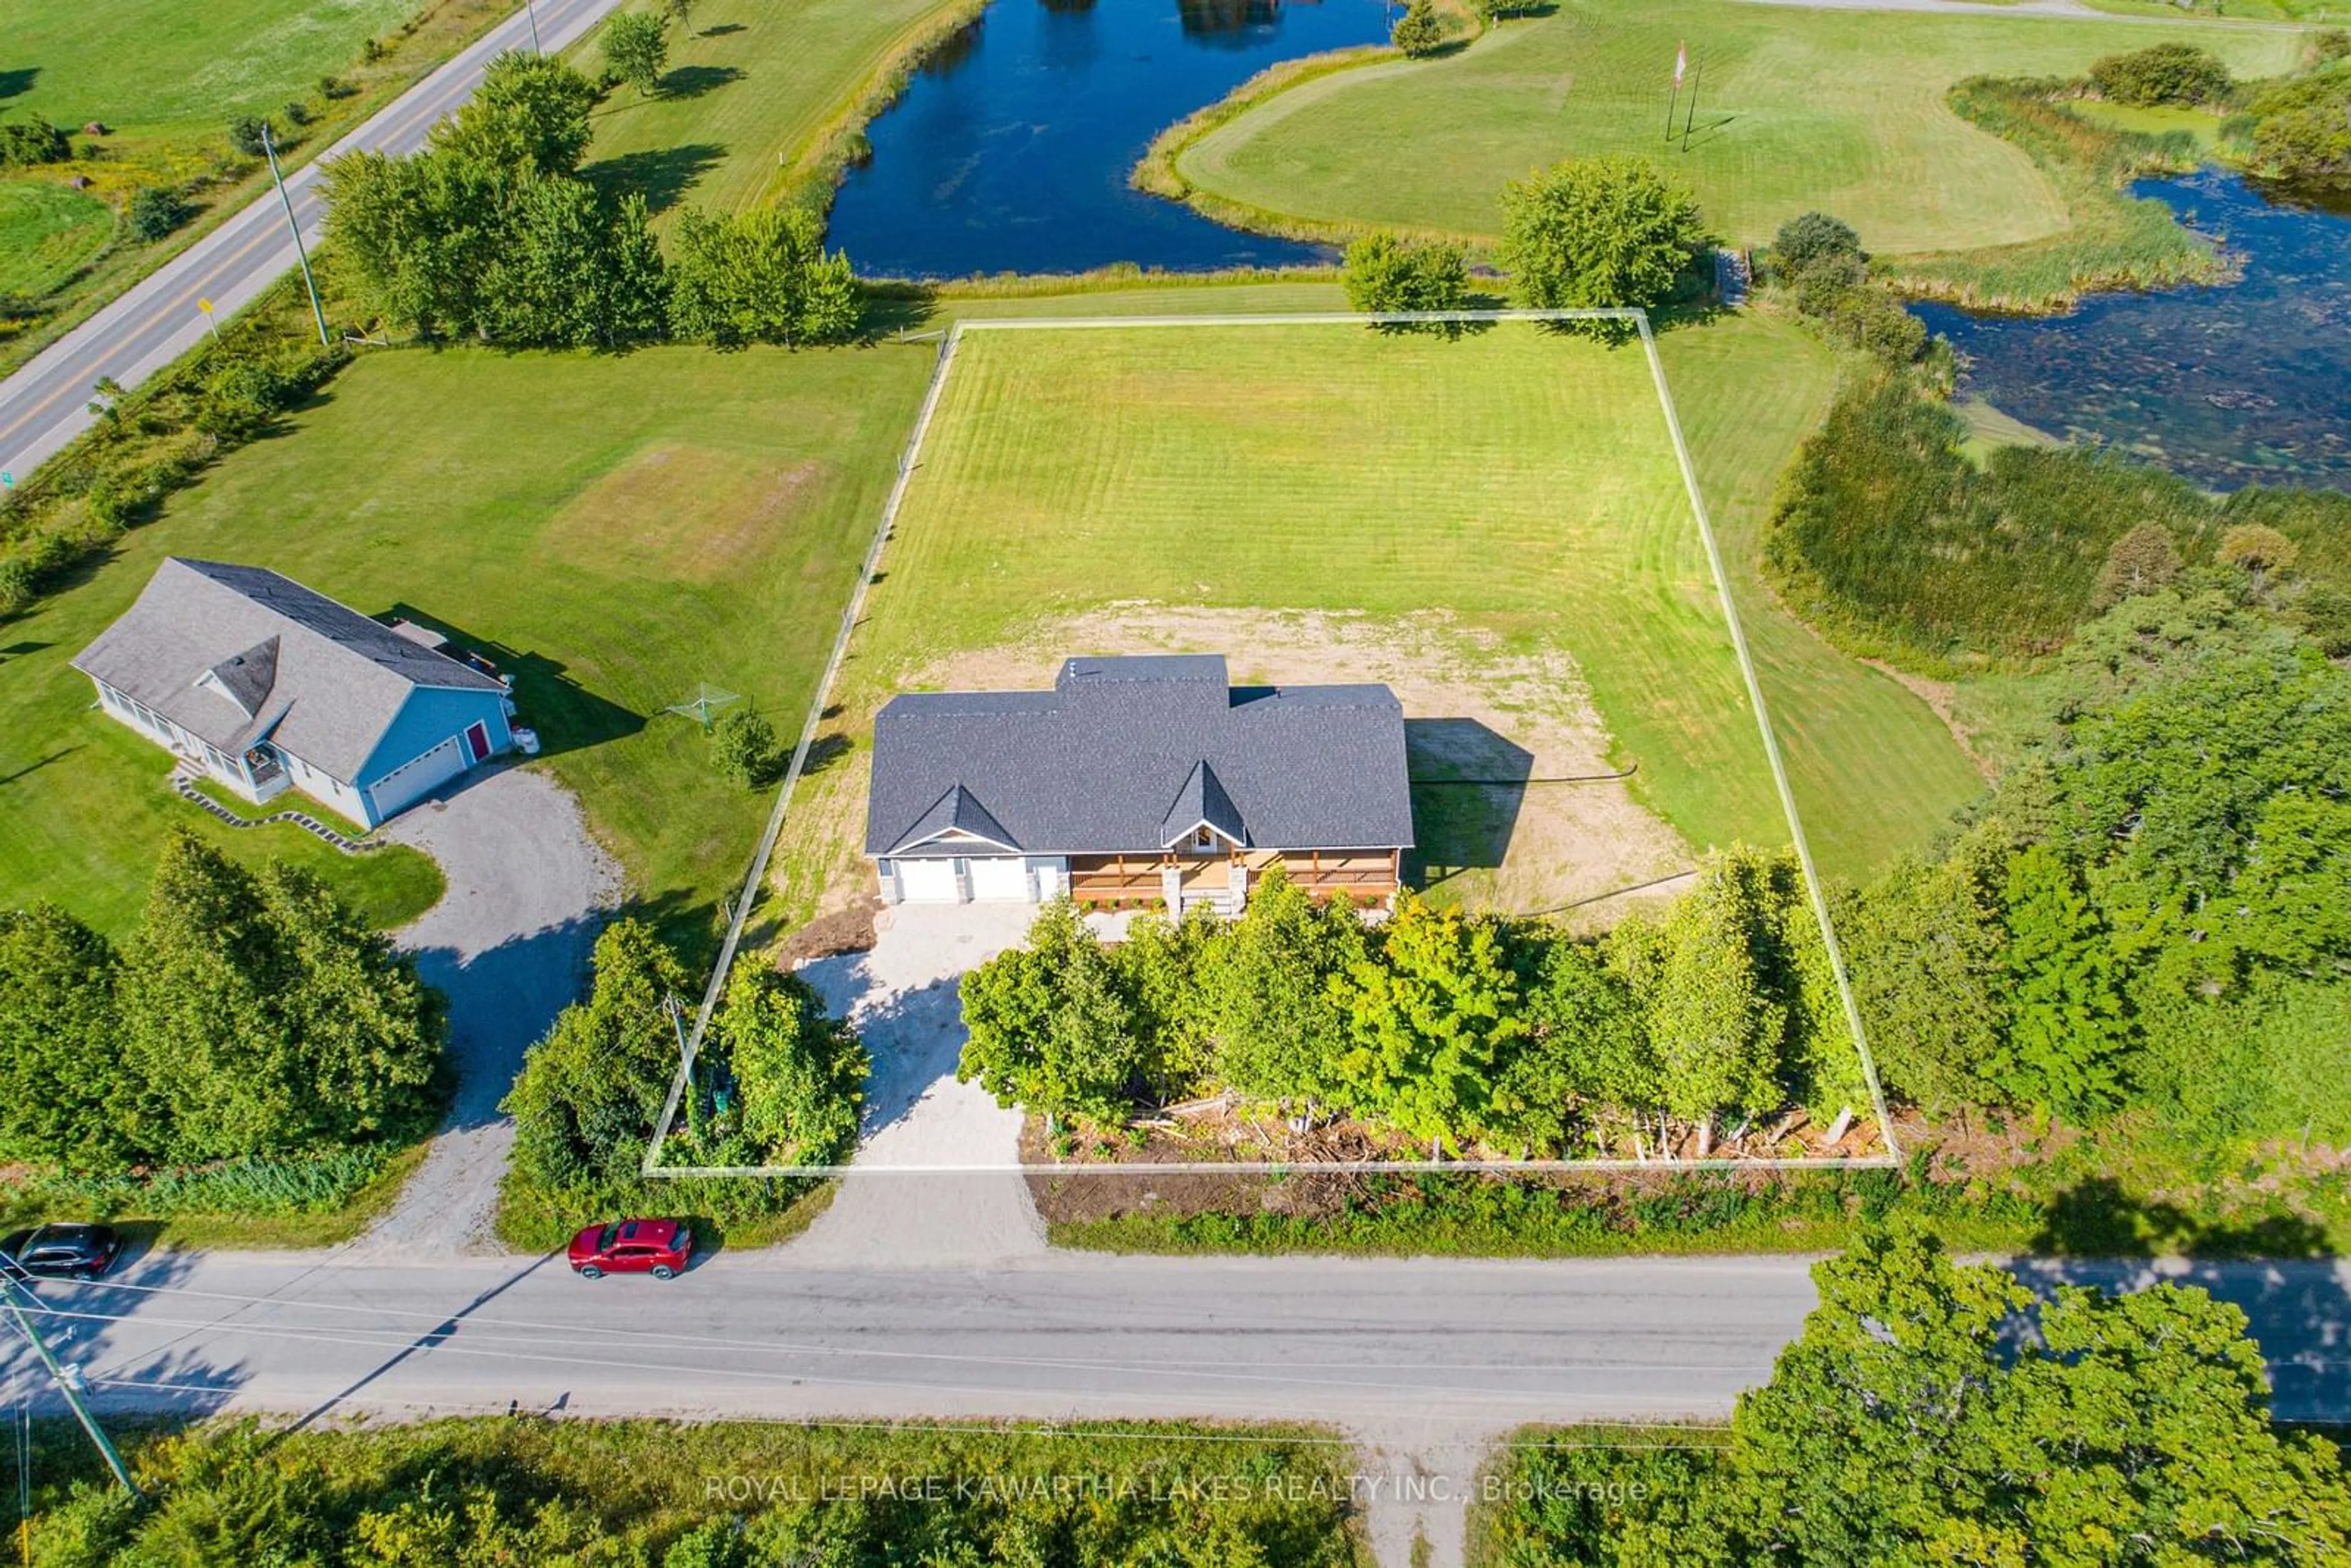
{"x":1771,"y":745}
{"x":757,"y":880}
{"x":755,"y":884}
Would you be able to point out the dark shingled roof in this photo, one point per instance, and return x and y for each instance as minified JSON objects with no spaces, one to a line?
{"x":236,"y":655}
{"x":1131,"y":755}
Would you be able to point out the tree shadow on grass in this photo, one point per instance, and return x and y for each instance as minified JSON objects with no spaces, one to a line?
{"x":17,"y":81}
{"x":693,"y":81}
{"x":662,"y":176}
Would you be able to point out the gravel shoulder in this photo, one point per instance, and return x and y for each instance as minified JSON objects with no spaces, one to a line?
{"x":510,"y":943}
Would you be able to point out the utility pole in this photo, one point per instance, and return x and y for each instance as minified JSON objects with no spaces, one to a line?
{"x":23,"y":1419}
{"x":68,"y":1385}
{"x":531,"y":12}
{"x":317,"y":310}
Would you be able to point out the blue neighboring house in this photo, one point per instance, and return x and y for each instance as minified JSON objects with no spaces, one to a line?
{"x":250,"y":678}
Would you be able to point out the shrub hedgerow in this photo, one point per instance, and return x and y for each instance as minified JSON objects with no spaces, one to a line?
{"x":2165,"y":73}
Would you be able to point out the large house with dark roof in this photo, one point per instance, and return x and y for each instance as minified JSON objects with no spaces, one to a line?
{"x":1136,"y":780}
{"x":255,"y":681}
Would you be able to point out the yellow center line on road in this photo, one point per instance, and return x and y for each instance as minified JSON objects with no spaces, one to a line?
{"x":411,"y":115}
{"x":186,"y":298}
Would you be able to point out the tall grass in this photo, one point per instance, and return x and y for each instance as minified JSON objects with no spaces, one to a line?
{"x":249,"y":1187}
{"x":1895,"y":546}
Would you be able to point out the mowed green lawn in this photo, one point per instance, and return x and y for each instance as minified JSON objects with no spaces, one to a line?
{"x":1797,"y":109}
{"x":750,"y":90}
{"x":612,"y":530}
{"x":146,"y":65}
{"x":1522,"y":481}
{"x":1874,"y":771}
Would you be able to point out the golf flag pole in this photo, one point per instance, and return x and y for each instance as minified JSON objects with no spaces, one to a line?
{"x":1681,"y":63}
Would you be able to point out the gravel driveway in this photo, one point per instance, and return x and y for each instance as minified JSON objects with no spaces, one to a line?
{"x":931,"y":1144}
{"x":529,"y":891}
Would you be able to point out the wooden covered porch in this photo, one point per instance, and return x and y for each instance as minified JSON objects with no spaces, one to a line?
{"x":1363,"y":876}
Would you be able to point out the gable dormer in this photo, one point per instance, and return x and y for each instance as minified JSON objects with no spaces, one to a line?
{"x":246,"y":679}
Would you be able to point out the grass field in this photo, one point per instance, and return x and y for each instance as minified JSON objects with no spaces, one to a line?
{"x":617,"y":529}
{"x":165,"y":80}
{"x":47,"y":233}
{"x":147,"y":65}
{"x":755,"y":95}
{"x":1874,"y":770}
{"x":1796,"y":109}
{"x":1523,"y":482}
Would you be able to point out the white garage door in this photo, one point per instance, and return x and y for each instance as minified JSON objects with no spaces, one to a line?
{"x":927,"y":882}
{"x":403,"y":785}
{"x":1000,"y":877}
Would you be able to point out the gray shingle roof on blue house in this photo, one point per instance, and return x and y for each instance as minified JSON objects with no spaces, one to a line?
{"x":1129,"y":755}
{"x":238,"y":655}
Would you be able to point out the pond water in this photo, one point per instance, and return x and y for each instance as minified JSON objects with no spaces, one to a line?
{"x":1009,"y":151}
{"x":2242,"y":382}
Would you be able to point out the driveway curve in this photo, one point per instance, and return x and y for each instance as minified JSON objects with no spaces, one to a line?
{"x":510,"y":943}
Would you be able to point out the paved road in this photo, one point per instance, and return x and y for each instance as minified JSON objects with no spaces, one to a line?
{"x":1426,"y":1360}
{"x":45,"y":405}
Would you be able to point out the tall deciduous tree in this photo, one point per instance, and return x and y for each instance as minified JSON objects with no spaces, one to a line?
{"x":1278,"y":1030}
{"x":1053,"y":1026}
{"x":1426,"y":1019}
{"x":760,"y":277}
{"x":1585,"y":1044}
{"x":1386,"y":273}
{"x":531,"y":112}
{"x":488,"y":231}
{"x":801,"y":1073}
{"x":1908,"y":1426}
{"x":636,"y":45}
{"x":2066,"y":1034}
{"x":1604,"y":231}
{"x":589,"y":1094}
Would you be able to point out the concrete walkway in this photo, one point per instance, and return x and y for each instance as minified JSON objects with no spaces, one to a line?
{"x":509,"y":942}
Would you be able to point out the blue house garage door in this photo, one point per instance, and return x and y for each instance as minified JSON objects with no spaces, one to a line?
{"x":404,"y":785}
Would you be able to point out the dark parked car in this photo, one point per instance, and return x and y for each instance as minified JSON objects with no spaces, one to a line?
{"x":661,"y":1248}
{"x":62,"y":1251}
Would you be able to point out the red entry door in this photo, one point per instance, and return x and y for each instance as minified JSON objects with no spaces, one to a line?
{"x":477,"y":741}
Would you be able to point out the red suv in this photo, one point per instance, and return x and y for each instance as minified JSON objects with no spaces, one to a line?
{"x":661,"y":1248}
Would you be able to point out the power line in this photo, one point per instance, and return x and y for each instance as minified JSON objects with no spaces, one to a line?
{"x":65,"y":1381}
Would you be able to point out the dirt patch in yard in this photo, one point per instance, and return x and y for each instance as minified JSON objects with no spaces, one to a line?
{"x":1516,"y":800}
{"x":631,"y":512}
